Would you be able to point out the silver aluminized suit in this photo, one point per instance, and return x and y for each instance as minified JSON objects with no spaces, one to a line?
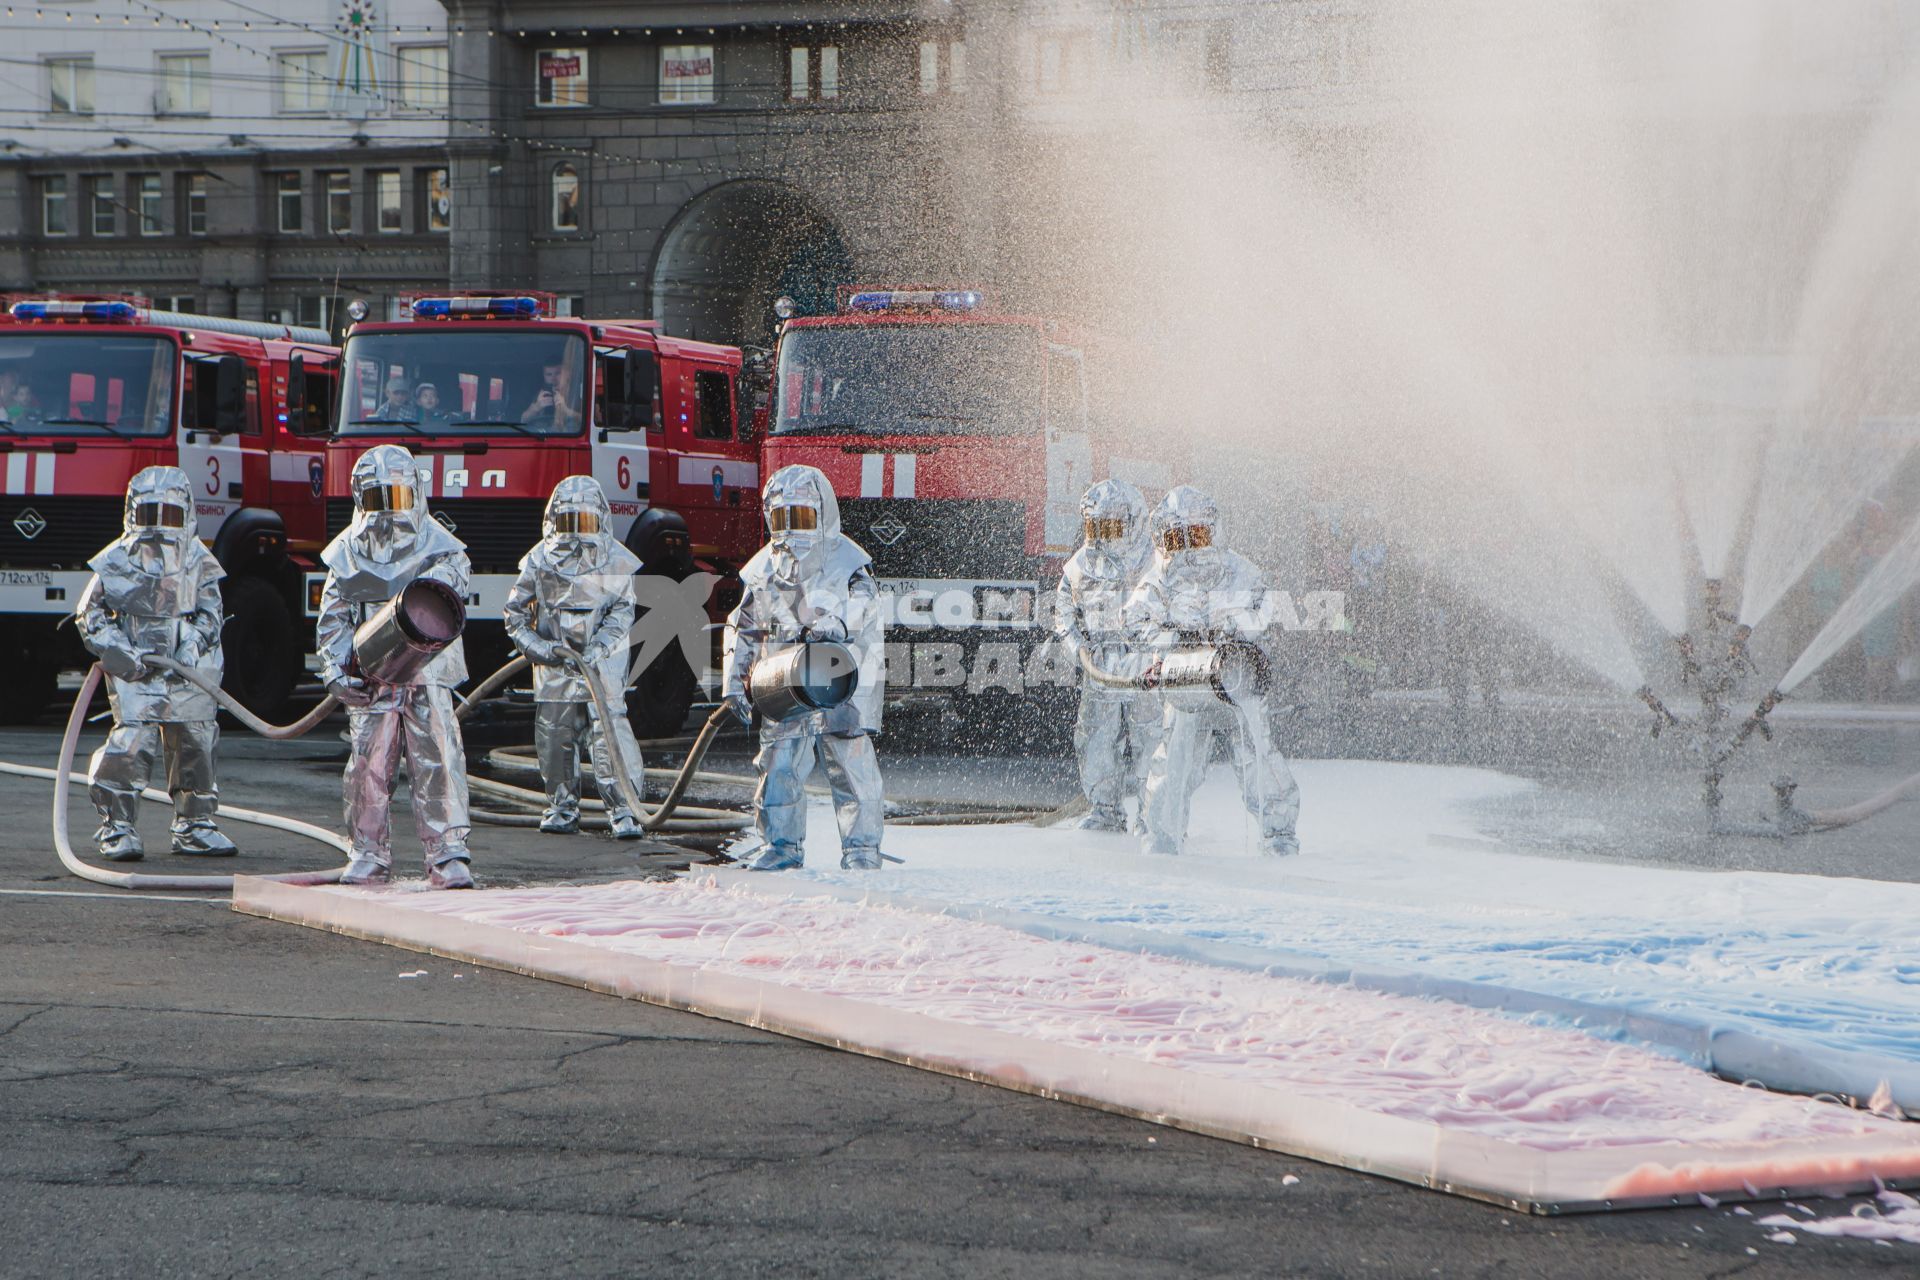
{"x":1118,"y":729}
{"x":155,"y":592}
{"x":1197,"y":596}
{"x":371,"y":560}
{"x":818,"y":585}
{"x":577,"y":588}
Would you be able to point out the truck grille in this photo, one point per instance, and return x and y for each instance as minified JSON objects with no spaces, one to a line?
{"x":67,"y":530}
{"x":497,"y":531}
{"x":940,"y":537}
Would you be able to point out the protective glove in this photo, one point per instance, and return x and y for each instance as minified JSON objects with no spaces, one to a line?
{"x":122,"y":663}
{"x":542,"y":650}
{"x":190,"y":650}
{"x":738,"y":704}
{"x":350,"y":691}
{"x":826,"y":627}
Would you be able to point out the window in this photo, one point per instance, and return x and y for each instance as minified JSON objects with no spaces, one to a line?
{"x":439,"y":201}
{"x":713,"y":390}
{"x":80,"y":377}
{"x":70,"y":86}
{"x":184,"y":302}
{"x":304,"y":86}
{"x":560,"y":78}
{"x":53,"y":206}
{"x":1060,"y":64}
{"x":494,"y":383}
{"x":314,"y":310}
{"x":813,"y":73}
{"x":291,"y":201}
{"x":943,"y":64}
{"x":422,"y":77}
{"x":149,"y":199}
{"x":386,"y":200}
{"x":686,"y":73}
{"x":185,"y":80}
{"x":193,"y":203}
{"x":101,"y":205}
{"x":339,"y":186}
{"x":566,"y":198}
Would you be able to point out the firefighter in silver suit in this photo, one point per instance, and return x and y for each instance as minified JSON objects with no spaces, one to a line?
{"x":155,"y":592}
{"x":1198,"y":593}
{"x":390,"y":542}
{"x":811,"y":582}
{"x":576,"y":588}
{"x":1118,"y":728}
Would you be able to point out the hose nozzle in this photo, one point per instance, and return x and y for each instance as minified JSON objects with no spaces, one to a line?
{"x":1758,"y":720}
{"x":1663,"y":716}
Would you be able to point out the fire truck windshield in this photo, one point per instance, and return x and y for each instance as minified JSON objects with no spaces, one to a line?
{"x":85,"y":383}
{"x":455,"y":379}
{"x":951,"y":378}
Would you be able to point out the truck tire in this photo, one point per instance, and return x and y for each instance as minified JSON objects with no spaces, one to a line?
{"x":30,"y":685}
{"x":662,"y":696}
{"x":262,"y":653}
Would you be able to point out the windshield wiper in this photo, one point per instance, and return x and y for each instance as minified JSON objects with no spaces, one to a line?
{"x":521,"y":427}
{"x":825,"y":429}
{"x":86,"y":422}
{"x":947,"y":417}
{"x":382,"y":422}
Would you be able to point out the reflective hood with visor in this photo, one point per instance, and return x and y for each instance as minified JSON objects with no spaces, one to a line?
{"x":577,"y":528}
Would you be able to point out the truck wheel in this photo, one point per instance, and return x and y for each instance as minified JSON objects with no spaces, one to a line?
{"x":30,"y":684}
{"x":660,"y":699}
{"x":262,"y":656}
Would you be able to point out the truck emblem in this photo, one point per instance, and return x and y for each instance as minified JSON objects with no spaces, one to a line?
{"x":719,"y":482}
{"x":316,"y":476}
{"x":29,"y":523}
{"x":446,"y":521}
{"x":888,"y":530}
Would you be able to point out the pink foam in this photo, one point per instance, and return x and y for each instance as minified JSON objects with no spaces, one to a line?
{"x":1459,"y":1068}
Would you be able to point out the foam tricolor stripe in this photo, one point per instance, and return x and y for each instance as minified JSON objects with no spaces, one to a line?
{"x":873,"y":475}
{"x":30,"y":472}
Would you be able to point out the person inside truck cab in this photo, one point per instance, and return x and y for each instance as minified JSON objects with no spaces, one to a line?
{"x":426,"y":398}
{"x":398,"y":406}
{"x":556,"y":407}
{"x":16,"y":397}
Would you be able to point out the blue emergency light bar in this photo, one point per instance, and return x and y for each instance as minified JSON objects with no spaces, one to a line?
{"x":877,"y":300}
{"x":470,"y":308}
{"x":116,"y":312}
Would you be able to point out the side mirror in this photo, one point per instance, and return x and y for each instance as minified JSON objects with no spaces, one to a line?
{"x":617,"y":413}
{"x":296,"y":392}
{"x":643,"y":390}
{"x":220,"y":395}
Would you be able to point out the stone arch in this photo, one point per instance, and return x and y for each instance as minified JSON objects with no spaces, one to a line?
{"x":736,"y":247}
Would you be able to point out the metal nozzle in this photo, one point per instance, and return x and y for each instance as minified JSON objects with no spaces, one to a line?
{"x":1659,"y":708}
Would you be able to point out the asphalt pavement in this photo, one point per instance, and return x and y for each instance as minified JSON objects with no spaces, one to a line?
{"x":188,"y":1092}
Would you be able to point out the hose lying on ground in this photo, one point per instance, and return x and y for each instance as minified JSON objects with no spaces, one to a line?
{"x":657,"y":818}
{"x":63,"y":776}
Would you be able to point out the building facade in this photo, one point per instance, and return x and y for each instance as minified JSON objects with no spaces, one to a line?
{"x":259,"y":161}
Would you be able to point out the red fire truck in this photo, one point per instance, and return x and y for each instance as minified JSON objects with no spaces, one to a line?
{"x":93,"y":390}
{"x":959,"y":440}
{"x":501,"y":400}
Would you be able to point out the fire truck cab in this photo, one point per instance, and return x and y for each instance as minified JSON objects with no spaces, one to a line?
{"x":94,"y":390}
{"x":500,"y":400}
{"x":959,"y":440}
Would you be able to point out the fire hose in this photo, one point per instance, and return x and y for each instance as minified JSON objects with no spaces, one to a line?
{"x":659,"y":818}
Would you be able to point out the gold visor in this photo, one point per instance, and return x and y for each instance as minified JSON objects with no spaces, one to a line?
{"x":159,"y":515}
{"x":1190,"y":537}
{"x":386,"y":497}
{"x":1106,"y":529}
{"x":793,"y":519}
{"x":576,"y":522}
